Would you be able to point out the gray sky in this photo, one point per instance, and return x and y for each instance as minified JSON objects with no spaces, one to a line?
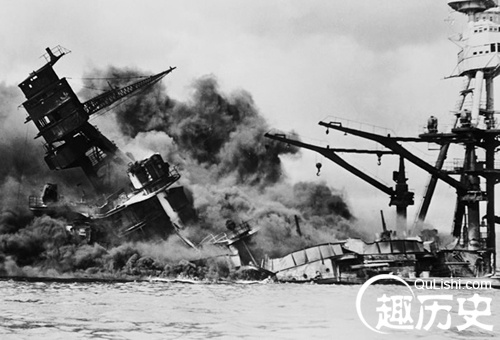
{"x":381,"y":62}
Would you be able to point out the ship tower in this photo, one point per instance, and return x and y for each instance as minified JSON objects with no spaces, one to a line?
{"x":474,"y":128}
{"x":147,"y":208}
{"x":478,"y":61}
{"x":63,"y":121}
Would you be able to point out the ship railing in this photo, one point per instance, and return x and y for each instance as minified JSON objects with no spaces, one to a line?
{"x":57,"y":51}
{"x":162,"y":182}
{"x":36,"y":202}
{"x":240,"y":229}
{"x":457,"y":164}
{"x":207,"y":239}
{"x":360,"y":126}
{"x":96,"y":155}
{"x":441,"y":128}
{"x":214,"y":239}
{"x":223,"y":237}
{"x":423,"y":129}
{"x":174,"y":173}
{"x":172,"y":176}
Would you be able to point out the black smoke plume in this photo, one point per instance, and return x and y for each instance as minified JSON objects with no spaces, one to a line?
{"x":23,"y":171}
{"x":224,"y":134}
{"x":231,"y":170}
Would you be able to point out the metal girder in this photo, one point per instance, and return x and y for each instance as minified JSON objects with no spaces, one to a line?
{"x":331,"y":155}
{"x":106,"y":99}
{"x":431,"y":186}
{"x":376,"y":152}
{"x":392,"y":144}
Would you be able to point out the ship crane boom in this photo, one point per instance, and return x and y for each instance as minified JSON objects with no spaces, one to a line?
{"x":399,"y":197}
{"x":391,"y":143}
{"x":331,"y":155}
{"x":63,"y":121}
{"x":106,"y":99}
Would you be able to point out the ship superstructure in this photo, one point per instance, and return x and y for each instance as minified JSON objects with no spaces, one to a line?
{"x":136,"y":198}
{"x":63,"y":121}
{"x":475,"y":129}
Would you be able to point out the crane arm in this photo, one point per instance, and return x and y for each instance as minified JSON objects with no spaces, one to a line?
{"x":391,"y":144}
{"x":331,"y":155}
{"x":106,"y":99}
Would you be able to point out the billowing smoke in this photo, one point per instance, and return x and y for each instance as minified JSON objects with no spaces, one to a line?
{"x":232,"y":171}
{"x":19,"y":152}
{"x":44,"y":248}
{"x":223,"y":134}
{"x":23,"y":171}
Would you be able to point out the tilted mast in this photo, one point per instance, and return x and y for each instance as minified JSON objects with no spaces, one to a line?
{"x":63,"y":121}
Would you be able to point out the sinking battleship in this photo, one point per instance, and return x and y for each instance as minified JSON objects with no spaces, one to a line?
{"x":150,"y":204}
{"x":135,"y":200}
{"x":144,"y":206}
{"x":475,"y":129}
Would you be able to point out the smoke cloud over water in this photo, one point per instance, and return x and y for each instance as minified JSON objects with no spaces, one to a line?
{"x":232,"y":171}
{"x":23,"y":171}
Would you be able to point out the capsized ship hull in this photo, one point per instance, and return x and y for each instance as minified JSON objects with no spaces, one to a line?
{"x":352,"y":261}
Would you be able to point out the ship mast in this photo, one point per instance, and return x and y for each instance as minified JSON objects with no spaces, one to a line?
{"x":474,"y":128}
{"x":475,"y":64}
{"x":63,"y":121}
{"x":479,"y":63}
{"x":400,"y":196}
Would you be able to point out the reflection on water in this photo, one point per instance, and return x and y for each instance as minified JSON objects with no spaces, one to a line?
{"x":162,"y":310}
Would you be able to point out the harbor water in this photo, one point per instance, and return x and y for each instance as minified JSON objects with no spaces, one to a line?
{"x":160,"y":310}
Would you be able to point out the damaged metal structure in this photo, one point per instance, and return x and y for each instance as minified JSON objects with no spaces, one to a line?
{"x":143,"y":206}
{"x":475,"y":130}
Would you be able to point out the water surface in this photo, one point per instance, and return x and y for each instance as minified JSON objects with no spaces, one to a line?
{"x":159,"y":310}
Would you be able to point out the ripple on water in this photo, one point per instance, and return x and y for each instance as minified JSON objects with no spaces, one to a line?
{"x":143,"y":310}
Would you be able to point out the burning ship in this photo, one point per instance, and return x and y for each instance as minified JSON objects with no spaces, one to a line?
{"x":150,"y":205}
{"x":146,"y":207}
{"x":475,"y":129}
{"x":134,"y":200}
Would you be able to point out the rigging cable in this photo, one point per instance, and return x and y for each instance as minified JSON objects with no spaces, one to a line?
{"x":107,"y":78}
